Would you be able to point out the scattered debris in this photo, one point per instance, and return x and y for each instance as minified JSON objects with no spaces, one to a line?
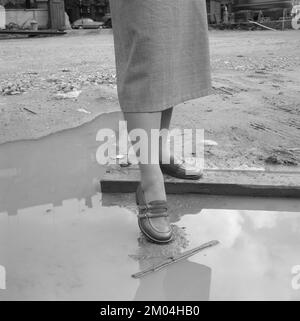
{"x":260,"y":71}
{"x":82,"y":110}
{"x":52,"y":80}
{"x":30,"y":111}
{"x":208,"y":142}
{"x":223,"y":90}
{"x":13,"y":26}
{"x":68,"y":95}
{"x":272,"y":160}
{"x":31,"y":73}
{"x":282,"y":157}
{"x":12,"y":89}
{"x":118,"y":157}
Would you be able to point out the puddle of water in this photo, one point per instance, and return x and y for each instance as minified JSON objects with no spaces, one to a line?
{"x":60,"y":241}
{"x":56,"y":240}
{"x":69,"y":253}
{"x":76,"y":252}
{"x":257,"y":253}
{"x":52,"y":169}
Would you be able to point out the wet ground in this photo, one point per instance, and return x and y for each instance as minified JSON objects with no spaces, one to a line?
{"x":253,"y":115}
{"x":61,"y":239}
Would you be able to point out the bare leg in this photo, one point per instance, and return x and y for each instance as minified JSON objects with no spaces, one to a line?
{"x":178,"y":171}
{"x":166,"y":117}
{"x":152,"y":180}
{"x":165,"y":124}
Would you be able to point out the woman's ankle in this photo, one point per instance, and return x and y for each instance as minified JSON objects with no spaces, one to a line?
{"x":153,"y":188}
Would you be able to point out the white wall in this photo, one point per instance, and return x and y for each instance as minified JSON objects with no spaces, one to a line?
{"x":2,"y":18}
{"x":22,"y":17}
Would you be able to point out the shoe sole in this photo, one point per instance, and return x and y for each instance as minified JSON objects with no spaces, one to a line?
{"x":186,"y":177}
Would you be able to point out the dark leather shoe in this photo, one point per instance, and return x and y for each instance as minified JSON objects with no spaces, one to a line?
{"x":181,"y":170}
{"x":146,"y":219}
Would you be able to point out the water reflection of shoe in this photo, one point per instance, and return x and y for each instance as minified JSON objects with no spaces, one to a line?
{"x":181,"y":169}
{"x":147,"y":219}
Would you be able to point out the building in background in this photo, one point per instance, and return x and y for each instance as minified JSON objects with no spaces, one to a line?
{"x":22,"y":12}
{"x":50,"y":14}
{"x":262,"y":10}
{"x":47,"y":14}
{"x":94,"y":9}
{"x":226,"y":11}
{"x":219,"y":11}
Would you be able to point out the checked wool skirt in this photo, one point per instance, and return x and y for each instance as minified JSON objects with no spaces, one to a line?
{"x":162,"y":53}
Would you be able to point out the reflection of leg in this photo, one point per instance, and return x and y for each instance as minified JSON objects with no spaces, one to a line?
{"x":165,"y":124}
{"x":188,"y":281}
{"x":152,"y":181}
{"x":183,"y":281}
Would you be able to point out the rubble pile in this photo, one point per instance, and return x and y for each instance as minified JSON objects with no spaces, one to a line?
{"x":62,"y":82}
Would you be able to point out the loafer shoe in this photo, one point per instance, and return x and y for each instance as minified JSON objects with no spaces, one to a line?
{"x":154,"y":232}
{"x":181,"y":170}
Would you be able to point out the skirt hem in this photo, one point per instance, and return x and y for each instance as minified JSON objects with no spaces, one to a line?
{"x":164,"y":106}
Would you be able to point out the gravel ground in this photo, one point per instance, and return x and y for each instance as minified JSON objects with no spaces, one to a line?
{"x":50,"y":84}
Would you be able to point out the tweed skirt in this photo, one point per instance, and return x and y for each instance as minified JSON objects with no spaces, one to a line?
{"x":162,"y":52}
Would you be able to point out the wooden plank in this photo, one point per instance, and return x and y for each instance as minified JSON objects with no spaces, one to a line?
{"x":214,"y":182}
{"x":261,"y":25}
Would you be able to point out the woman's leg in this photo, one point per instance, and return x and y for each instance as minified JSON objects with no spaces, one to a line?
{"x":152,"y":180}
{"x":164,"y":152}
{"x":166,"y":117}
{"x":167,"y":156}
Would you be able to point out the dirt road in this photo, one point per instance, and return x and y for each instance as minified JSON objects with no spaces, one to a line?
{"x":254,"y":114}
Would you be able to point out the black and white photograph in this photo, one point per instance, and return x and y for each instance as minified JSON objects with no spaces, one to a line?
{"x":149,"y":152}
